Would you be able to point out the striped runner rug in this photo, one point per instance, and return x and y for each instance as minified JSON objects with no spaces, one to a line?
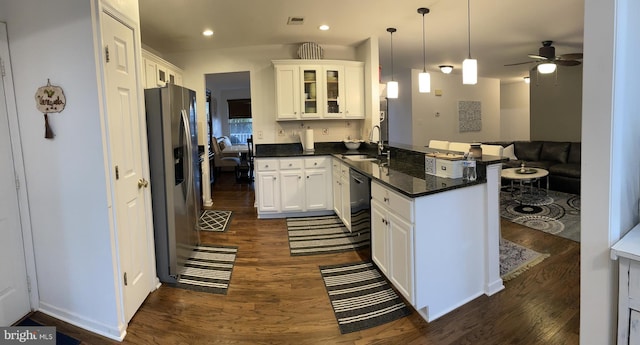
{"x":208,"y":269}
{"x":361,"y":297}
{"x":327,"y":234}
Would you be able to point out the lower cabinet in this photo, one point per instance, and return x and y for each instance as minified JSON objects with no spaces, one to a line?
{"x":292,"y":185}
{"x":392,"y":241}
{"x":341,"y":192}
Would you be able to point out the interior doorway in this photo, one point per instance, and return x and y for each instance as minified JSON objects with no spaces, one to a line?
{"x":228,"y":90}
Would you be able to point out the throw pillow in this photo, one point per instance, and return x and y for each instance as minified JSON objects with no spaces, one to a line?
{"x":227,"y":141}
{"x":222,"y":145}
{"x":509,"y":153}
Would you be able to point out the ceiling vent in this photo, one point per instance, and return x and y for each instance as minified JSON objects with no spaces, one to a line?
{"x":295,"y":21}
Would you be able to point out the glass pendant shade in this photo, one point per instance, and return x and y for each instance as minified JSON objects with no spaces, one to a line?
{"x":470,"y":71}
{"x":392,"y":89}
{"x":546,"y":68}
{"x":424,"y":82}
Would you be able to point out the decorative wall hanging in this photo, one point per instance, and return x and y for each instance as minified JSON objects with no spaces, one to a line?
{"x":470,"y":116}
{"x":49,"y":99}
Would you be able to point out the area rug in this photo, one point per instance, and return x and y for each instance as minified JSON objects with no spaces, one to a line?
{"x":516,"y":259}
{"x":213,"y":220}
{"x":327,"y":234}
{"x":361,"y":298}
{"x":61,"y":338}
{"x":555,"y":213}
{"x":208,"y":269}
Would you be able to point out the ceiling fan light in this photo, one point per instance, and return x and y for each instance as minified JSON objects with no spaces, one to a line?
{"x":424,"y":82}
{"x":547,"y":67}
{"x":446,"y":69}
{"x":392,"y":89}
{"x":470,"y":71}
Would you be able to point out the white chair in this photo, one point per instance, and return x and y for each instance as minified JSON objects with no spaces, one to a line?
{"x":492,"y":150}
{"x":459,"y":147}
{"x":438,"y":144}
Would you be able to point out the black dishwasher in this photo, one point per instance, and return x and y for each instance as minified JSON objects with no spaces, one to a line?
{"x":360,"y":198}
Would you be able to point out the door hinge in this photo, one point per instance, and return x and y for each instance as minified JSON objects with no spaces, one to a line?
{"x":117,"y":173}
{"x":125,"y":279}
{"x":2,"y":71}
{"x":28,"y":283}
{"x":17,"y":182}
{"x":106,"y":54}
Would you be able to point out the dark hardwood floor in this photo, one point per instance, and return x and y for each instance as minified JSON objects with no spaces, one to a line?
{"x":274,"y":298}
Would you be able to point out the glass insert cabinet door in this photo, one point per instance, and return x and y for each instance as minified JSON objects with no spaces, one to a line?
{"x":333,"y":81}
{"x":310,"y":78}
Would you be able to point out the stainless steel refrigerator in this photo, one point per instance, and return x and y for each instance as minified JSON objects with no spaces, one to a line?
{"x":175,"y":176}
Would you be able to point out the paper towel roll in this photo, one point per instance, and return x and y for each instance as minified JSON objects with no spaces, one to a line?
{"x":308,"y":140}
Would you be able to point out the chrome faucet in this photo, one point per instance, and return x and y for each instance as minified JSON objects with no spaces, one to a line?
{"x":380,"y":145}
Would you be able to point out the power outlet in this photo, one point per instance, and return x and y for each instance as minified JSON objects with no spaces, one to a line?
{"x":281,"y":132}
{"x":325,"y":131}
{"x":260,"y":135}
{"x":347,"y":124}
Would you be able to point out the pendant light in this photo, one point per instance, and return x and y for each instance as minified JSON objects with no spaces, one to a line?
{"x":469,"y":65}
{"x":392,"y":86}
{"x":424,"y":78}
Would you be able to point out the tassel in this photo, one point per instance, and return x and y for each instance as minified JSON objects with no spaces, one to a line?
{"x":48,"y":133}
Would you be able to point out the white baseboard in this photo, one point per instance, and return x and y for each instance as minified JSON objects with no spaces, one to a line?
{"x":494,"y":287}
{"x":117,"y":333}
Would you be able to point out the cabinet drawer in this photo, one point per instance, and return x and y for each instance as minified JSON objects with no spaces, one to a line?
{"x":316,"y":162}
{"x":266,"y":164}
{"x":295,"y":163}
{"x":397,"y":203}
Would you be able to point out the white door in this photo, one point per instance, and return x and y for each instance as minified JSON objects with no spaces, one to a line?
{"x":317,"y":193}
{"x":14,"y":294}
{"x":291,"y":190}
{"x":268,"y":191}
{"x":126,"y":161}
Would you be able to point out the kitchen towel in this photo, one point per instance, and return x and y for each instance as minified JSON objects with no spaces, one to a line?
{"x":308,"y":140}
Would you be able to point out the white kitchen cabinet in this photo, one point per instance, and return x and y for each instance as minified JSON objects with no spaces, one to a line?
{"x":292,"y":191}
{"x":292,"y":186}
{"x":627,"y":252}
{"x":159,"y":72}
{"x":318,"y":178}
{"x":353,"y":92}
{"x":268,"y":191}
{"x":287,"y":85}
{"x":392,"y":237}
{"x":341,"y":192}
{"x":319,"y":89}
{"x":379,"y":236}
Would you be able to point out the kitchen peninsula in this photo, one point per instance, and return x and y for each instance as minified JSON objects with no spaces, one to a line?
{"x":436,"y":239}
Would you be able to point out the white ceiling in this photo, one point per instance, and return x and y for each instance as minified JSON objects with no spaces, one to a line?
{"x":502,"y":31}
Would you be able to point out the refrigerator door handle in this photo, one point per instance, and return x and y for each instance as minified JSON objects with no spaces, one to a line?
{"x":187,"y":131}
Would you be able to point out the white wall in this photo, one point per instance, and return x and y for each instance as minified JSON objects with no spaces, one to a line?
{"x":400,"y":120}
{"x":257,"y":60}
{"x":514,"y":111}
{"x":72,"y":239}
{"x":426,"y":125}
{"x":611,"y":173}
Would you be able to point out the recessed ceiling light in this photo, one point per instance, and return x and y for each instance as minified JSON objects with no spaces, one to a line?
{"x":208,"y":33}
{"x":324,"y":27}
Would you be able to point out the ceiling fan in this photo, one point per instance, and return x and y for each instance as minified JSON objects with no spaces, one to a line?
{"x":547,"y":54}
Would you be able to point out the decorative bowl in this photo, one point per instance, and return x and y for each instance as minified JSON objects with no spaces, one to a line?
{"x":352,"y":144}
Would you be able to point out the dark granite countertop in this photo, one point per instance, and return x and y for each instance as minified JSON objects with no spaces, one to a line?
{"x":403,"y":174}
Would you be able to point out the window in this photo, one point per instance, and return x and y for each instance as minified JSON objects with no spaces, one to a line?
{"x":240,"y":122}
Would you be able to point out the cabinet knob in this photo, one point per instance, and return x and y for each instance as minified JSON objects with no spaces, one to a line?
{"x":316,"y":163}
{"x":266,"y":166}
{"x":386,"y":199}
{"x":307,"y":176}
{"x":299,"y":177}
{"x":289,"y":164}
{"x":274,"y":177}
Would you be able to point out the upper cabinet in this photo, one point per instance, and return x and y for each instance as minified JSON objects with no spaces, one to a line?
{"x":319,"y":89}
{"x":159,"y":72}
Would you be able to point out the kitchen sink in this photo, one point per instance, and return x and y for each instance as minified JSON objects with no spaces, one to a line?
{"x":359,"y":158}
